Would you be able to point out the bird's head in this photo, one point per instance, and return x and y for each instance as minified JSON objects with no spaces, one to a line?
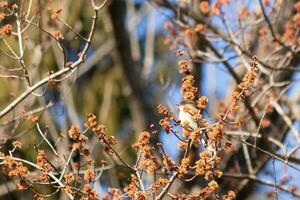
{"x":186,"y":103}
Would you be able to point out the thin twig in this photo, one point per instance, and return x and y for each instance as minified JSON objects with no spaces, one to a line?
{"x":44,"y":137}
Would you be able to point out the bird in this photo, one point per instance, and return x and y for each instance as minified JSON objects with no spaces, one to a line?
{"x":185,"y":116}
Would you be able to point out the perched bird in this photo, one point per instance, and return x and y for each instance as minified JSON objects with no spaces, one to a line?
{"x":185,"y":114}
{"x":186,"y":117}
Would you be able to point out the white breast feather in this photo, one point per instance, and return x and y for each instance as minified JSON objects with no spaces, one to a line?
{"x":185,"y":117}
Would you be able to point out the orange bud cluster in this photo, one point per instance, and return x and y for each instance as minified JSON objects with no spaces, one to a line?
{"x":163,"y":110}
{"x":74,"y":133}
{"x":133,"y":191}
{"x":213,"y":185}
{"x":207,"y":167}
{"x":12,"y":168}
{"x":199,"y":28}
{"x":250,"y":75}
{"x":168,"y":25}
{"x":195,"y":136}
{"x":181,"y":145}
{"x":90,"y":193}
{"x":229,"y":196}
{"x":40,"y":158}
{"x":245,"y":86}
{"x":6,"y":29}
{"x":98,"y":129}
{"x":204,"y":7}
{"x":22,"y":185}
{"x":69,"y":178}
{"x":38,"y":197}
{"x":160,"y":182}
{"x":44,"y":165}
{"x":89,"y":175}
{"x":184,"y":67}
{"x":217,"y":132}
{"x":56,"y":14}
{"x":187,"y":88}
{"x":202,"y":102}
{"x":150,"y":162}
{"x":165,"y":125}
{"x":114,"y":193}
{"x":79,"y":140}
{"x":67,"y":189}
{"x":168,"y":162}
{"x":58,"y":35}
{"x":183,"y":168}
